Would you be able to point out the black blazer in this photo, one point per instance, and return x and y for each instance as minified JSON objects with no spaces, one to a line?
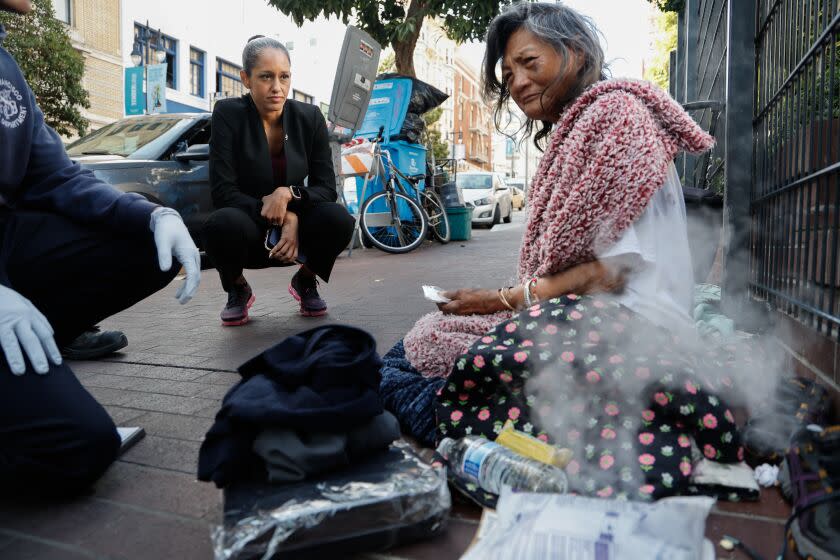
{"x":240,"y":165}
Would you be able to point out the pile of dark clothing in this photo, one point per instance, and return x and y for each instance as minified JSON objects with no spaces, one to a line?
{"x":424,"y":98}
{"x":305,"y":406}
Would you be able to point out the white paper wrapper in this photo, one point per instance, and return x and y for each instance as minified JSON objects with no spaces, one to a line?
{"x":435,"y":294}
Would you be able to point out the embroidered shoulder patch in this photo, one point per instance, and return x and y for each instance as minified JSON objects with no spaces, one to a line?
{"x":12,"y":112}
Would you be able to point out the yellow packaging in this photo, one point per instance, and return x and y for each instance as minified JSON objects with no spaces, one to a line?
{"x":533,"y":448}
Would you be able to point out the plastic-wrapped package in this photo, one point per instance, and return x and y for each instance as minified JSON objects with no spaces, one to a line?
{"x":564,"y":526}
{"x":394,"y":498}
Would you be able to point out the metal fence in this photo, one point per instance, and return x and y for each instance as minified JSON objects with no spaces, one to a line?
{"x":775,"y":66}
{"x":795,"y":202}
{"x":700,"y":70}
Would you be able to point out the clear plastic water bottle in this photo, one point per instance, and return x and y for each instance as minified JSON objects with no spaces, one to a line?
{"x":492,"y":466}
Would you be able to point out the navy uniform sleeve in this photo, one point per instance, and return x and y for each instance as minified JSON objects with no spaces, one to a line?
{"x":54,"y":183}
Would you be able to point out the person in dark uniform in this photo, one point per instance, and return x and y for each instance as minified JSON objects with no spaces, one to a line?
{"x":271,"y":167}
{"x":73,"y":251}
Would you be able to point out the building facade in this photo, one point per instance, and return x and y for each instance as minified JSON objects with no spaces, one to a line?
{"x":473,"y":122}
{"x":434,"y":63}
{"x":515,"y":155}
{"x":203,"y":41}
{"x":94,"y":30}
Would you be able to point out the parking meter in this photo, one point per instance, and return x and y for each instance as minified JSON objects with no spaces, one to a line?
{"x":354,"y":79}
{"x":353,"y":85}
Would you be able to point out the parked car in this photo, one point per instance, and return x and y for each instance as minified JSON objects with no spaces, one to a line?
{"x":517,"y":197}
{"x":162,"y":157}
{"x":487,"y":196}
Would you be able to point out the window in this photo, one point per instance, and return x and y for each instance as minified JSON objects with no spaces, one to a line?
{"x":228,"y":83}
{"x":325,"y":109}
{"x":151,"y":40}
{"x":300,"y":96}
{"x":62,"y":10}
{"x":196,"y":72}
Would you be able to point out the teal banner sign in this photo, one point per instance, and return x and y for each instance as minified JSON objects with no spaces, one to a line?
{"x":156,"y":88}
{"x":509,"y":145}
{"x":135,"y":102}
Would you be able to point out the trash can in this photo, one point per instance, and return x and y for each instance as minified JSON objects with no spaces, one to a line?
{"x":460,"y":223}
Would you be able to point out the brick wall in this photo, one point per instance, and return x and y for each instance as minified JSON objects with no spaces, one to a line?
{"x":812,"y":354}
{"x":95,"y":31}
{"x":103,"y":81}
{"x":473,"y":121}
{"x":98,"y":21}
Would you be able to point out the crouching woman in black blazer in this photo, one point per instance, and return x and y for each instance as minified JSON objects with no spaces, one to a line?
{"x":271,"y":167}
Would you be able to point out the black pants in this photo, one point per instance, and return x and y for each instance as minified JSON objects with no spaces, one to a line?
{"x":54,"y":437}
{"x":234,"y":241}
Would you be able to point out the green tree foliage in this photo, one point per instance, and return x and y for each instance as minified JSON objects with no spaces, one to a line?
{"x":398,"y":23}
{"x":434,"y":139}
{"x":53,"y":68}
{"x":387,"y":64}
{"x":668,"y":5}
{"x":665,"y":41}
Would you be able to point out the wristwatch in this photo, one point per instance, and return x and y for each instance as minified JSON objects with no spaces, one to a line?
{"x":295,"y":192}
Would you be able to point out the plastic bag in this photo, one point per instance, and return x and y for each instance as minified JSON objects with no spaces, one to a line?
{"x":424,"y":97}
{"x":412,"y":129}
{"x":564,"y":526}
{"x":395,"y":497}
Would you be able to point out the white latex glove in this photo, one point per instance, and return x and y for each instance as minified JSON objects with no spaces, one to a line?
{"x":23,"y":326}
{"x":172,"y":238}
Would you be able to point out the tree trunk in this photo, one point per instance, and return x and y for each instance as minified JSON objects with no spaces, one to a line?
{"x":404,"y":50}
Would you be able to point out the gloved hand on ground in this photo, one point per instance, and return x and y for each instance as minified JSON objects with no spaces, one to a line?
{"x":172,"y":238}
{"x":22,"y":326}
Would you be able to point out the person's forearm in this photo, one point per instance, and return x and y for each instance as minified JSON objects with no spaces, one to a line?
{"x":291,"y":218}
{"x":581,"y":279}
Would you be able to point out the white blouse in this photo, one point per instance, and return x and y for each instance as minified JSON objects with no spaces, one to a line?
{"x":661,"y":287}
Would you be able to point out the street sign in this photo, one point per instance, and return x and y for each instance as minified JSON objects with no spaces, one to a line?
{"x":135,"y":102}
{"x":156,"y":88}
{"x":458,"y":151}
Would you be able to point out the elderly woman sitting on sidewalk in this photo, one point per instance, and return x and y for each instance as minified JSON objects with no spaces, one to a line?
{"x":598,"y":317}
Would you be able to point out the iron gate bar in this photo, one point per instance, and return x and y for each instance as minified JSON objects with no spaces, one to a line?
{"x":828,"y":31}
{"x":831,"y":138}
{"x":767,"y":19}
{"x":809,"y":308}
{"x":781,"y":190}
{"x":803,"y":271}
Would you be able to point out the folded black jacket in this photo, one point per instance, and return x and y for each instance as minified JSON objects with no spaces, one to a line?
{"x":323,"y":379}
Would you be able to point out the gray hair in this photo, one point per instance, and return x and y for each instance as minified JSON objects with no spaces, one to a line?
{"x":564,"y":29}
{"x":254,"y":48}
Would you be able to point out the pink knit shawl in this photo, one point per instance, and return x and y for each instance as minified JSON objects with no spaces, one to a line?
{"x":608,"y":154}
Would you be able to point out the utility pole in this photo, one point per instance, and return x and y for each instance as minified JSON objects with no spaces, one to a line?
{"x":527,"y":165}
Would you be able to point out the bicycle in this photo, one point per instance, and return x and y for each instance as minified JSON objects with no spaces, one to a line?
{"x":393,"y":220}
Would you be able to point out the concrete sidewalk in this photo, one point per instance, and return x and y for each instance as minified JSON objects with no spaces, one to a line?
{"x":179,"y":364}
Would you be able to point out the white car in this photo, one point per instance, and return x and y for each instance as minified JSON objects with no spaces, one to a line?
{"x":488,"y":197}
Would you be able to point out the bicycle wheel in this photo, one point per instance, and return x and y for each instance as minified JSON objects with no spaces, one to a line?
{"x":393,"y":222}
{"x":436,"y":213}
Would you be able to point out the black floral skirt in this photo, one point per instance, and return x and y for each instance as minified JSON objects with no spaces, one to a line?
{"x":629,"y":398}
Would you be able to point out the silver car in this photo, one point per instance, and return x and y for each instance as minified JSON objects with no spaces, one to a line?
{"x":488,"y":197}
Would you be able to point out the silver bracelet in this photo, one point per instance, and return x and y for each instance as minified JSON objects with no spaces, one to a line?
{"x":527,"y":295}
